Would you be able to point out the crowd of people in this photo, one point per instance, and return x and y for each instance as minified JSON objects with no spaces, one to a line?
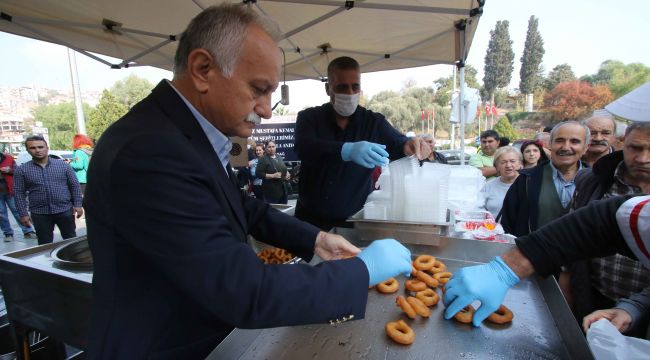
{"x":168,"y":225}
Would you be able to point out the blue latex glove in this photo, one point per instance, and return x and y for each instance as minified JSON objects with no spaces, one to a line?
{"x":385,"y":259}
{"x":487,"y":283}
{"x":365,"y":153}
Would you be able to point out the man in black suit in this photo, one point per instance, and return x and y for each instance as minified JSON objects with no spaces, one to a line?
{"x":167,"y":227}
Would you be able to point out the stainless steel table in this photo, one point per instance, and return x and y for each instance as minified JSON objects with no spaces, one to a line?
{"x":543,"y":327}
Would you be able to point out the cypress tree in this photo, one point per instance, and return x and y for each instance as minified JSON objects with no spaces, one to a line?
{"x":499,"y":59}
{"x":530,"y":72}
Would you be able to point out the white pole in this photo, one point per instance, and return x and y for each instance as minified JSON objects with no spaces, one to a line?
{"x":462,"y":114}
{"x":81,"y":123}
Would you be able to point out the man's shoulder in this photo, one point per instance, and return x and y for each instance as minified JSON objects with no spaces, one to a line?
{"x":320,"y":110}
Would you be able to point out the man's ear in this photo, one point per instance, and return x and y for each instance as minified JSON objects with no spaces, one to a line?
{"x":327,"y":88}
{"x":199,"y":65}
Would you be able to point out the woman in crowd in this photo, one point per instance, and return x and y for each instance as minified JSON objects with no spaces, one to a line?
{"x":273,"y":172}
{"x":507,"y":161}
{"x":533,"y":153}
{"x":83,"y":150}
{"x":252,"y":165}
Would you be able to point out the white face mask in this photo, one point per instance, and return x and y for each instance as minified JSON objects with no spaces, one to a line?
{"x":345,"y":104}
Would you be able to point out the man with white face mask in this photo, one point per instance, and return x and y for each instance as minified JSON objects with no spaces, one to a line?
{"x":339,"y":144}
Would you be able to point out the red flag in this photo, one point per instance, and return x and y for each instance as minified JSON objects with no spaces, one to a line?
{"x":494,"y":110}
{"x":422,"y":115}
{"x":433,"y":115}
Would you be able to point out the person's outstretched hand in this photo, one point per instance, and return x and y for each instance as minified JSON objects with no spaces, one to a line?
{"x":385,"y":259}
{"x":333,"y":247}
{"x":487,"y":283}
{"x":365,"y":153}
{"x":620,"y":318}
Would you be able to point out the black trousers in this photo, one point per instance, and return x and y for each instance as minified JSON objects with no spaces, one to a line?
{"x":44,"y":226}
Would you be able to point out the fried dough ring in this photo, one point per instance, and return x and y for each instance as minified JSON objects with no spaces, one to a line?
{"x":465,"y":315}
{"x":438,"y":267}
{"x":442,"y":277}
{"x":400,"y":333}
{"x":388,"y":287}
{"x":419,"y":306}
{"x":501,"y":316}
{"x":415,"y":285}
{"x":413,"y":270}
{"x":428,"y":296}
{"x":427,"y":279}
{"x":424,"y":262}
{"x":406,"y":307}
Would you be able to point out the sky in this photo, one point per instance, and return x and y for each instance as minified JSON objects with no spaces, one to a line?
{"x":582,"y":33}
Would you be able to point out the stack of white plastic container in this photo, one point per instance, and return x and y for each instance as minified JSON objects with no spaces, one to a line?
{"x":422,"y":194}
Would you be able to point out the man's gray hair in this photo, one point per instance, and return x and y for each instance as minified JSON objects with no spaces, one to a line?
{"x":571,"y":122}
{"x":638,"y":125}
{"x":600,"y":116}
{"x":221,"y":31}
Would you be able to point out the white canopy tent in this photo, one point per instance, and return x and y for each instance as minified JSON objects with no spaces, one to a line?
{"x":380,"y":34}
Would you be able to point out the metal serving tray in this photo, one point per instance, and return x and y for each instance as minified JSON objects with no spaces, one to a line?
{"x":543,"y":327}
{"x":405,"y":231}
{"x":57,"y":300}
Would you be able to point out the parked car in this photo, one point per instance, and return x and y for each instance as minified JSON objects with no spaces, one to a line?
{"x":24,"y":156}
{"x":453,"y":156}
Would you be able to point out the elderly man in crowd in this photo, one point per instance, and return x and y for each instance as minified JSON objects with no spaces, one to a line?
{"x":601,"y":282}
{"x":603,"y":135}
{"x":339,"y":144}
{"x":484,"y":159}
{"x":173,"y":272}
{"x":543,"y":193}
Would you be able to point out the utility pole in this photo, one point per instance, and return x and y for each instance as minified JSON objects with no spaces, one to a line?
{"x":81,"y":122}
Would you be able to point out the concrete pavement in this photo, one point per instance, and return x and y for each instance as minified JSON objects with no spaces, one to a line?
{"x":21,"y":243}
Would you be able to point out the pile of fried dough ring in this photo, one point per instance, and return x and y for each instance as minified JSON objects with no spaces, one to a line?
{"x":274,"y":256}
{"x":427,"y":274}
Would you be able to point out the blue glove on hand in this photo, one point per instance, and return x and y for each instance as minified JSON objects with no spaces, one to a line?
{"x":385,"y":259}
{"x":487,"y":283}
{"x":365,"y":153}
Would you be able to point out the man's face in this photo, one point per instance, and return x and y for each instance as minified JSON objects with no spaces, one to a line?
{"x":37,"y":149}
{"x":270,"y":149}
{"x":489,"y":145}
{"x":636,"y":155}
{"x":568,"y":145}
{"x":343,"y":81}
{"x":602,"y":135}
{"x":226,"y":102}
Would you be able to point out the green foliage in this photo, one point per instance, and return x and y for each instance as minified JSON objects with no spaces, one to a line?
{"x":444,"y":86}
{"x":107,"y":111}
{"x":560,"y":73}
{"x":499,"y":59}
{"x":131,"y":90}
{"x":60,"y":120}
{"x":404,"y":110}
{"x":281,"y":110}
{"x":530,"y":73}
{"x":620,"y":78}
{"x":505,"y":129}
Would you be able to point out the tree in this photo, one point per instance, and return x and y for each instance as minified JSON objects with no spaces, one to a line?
{"x":576,"y":99}
{"x":60,"y":120}
{"x":499,"y":59}
{"x":620,"y":78}
{"x":131,"y":90}
{"x":560,"y":73}
{"x":444,"y":86}
{"x":505,"y":129}
{"x":530,"y":74}
{"x":107,"y":111}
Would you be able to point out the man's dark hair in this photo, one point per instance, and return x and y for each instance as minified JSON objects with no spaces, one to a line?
{"x":35,"y":138}
{"x":638,"y":125}
{"x":504,"y":141}
{"x":341,"y":63}
{"x":547,"y":129}
{"x":489,"y":133}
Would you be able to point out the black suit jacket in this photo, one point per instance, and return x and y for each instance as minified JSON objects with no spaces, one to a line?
{"x":167,"y":229}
